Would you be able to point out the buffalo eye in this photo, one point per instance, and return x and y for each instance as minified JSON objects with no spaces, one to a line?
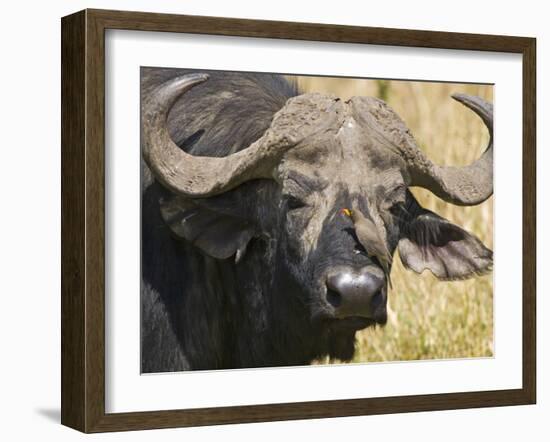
{"x":398,"y":210}
{"x":293,"y":202}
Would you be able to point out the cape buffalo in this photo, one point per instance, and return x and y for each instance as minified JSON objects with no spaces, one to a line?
{"x":247,"y":260}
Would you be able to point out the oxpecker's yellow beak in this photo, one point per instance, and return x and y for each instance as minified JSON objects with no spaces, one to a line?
{"x":346,"y":212}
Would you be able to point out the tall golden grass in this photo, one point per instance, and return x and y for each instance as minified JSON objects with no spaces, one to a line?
{"x":429,"y":319}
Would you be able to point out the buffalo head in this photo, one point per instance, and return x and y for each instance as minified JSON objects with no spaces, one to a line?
{"x":287,"y":189}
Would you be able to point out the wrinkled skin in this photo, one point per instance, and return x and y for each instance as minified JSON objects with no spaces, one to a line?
{"x":243,"y":275}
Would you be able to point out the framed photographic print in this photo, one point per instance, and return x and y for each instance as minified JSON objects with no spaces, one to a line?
{"x":269,"y":220}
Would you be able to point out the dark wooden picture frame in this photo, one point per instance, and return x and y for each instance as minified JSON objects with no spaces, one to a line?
{"x":83,"y":220}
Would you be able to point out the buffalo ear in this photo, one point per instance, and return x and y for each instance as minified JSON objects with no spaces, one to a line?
{"x":217,"y":234}
{"x":431,"y":242}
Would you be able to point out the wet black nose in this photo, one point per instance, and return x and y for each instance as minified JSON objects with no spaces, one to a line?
{"x":357,"y":293}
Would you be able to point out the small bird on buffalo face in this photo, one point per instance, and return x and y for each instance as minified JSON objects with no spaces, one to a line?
{"x":369,"y":236}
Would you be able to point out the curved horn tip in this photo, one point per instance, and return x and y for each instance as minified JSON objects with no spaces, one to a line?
{"x":459,"y":96}
{"x":479,"y":105}
{"x":464,"y":98}
{"x":188,"y":80}
{"x":466,"y":185}
{"x":471,"y":101}
{"x":198,"y":77}
{"x":167,"y":93}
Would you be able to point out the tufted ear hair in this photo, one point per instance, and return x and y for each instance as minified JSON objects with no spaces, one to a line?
{"x":217,"y":234}
{"x":429,"y":241}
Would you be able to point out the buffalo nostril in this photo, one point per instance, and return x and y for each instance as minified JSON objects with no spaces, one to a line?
{"x":377,"y":299}
{"x":378,"y":307}
{"x":334,"y":298}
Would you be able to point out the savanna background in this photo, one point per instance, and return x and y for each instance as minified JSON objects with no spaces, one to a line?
{"x":427,"y":318}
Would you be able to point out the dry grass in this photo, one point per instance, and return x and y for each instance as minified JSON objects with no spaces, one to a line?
{"x":428,"y":319}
